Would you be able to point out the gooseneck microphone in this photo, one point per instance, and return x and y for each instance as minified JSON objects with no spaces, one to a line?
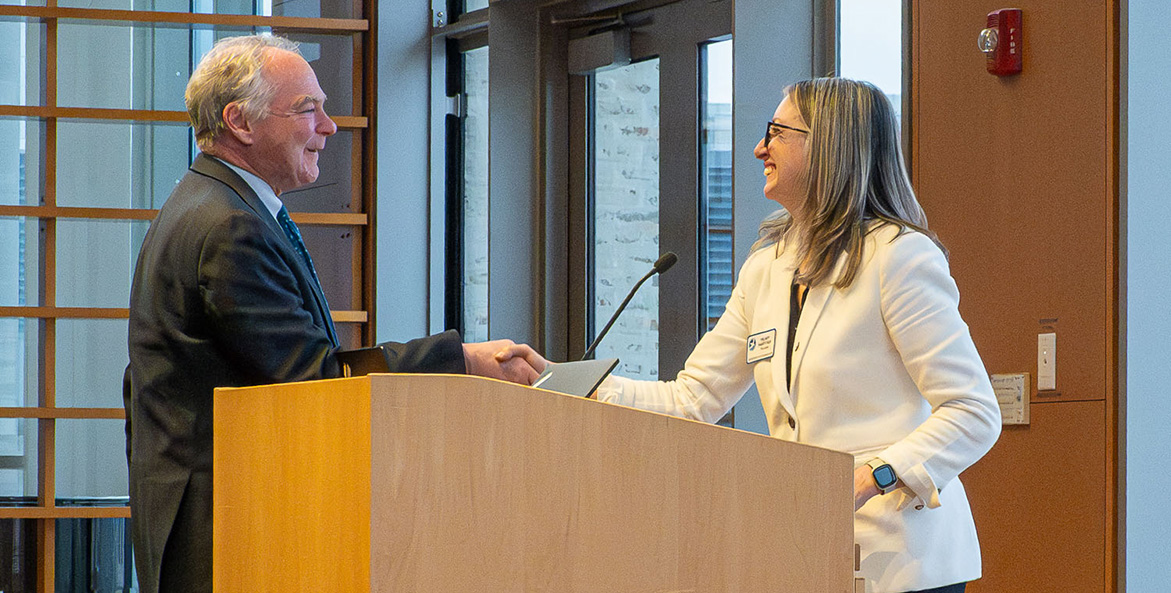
{"x":663,"y":264}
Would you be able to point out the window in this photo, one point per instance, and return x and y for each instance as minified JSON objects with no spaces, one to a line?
{"x":466,"y":186}
{"x":474,"y":195}
{"x":466,"y":210}
{"x":715,"y":187}
{"x":90,"y":146}
{"x":871,"y":45}
{"x":626,"y":213}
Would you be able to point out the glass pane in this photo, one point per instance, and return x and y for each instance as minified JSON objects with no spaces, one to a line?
{"x":138,"y":165}
{"x":144,"y":67}
{"x":91,"y":357}
{"x":871,"y":45}
{"x":18,"y":462}
{"x":626,"y":213}
{"x":22,"y":157}
{"x":19,"y":360}
{"x":21,"y":70}
{"x":19,"y":262}
{"x":137,"y":68}
{"x":716,"y":181}
{"x":119,"y":165}
{"x":333,"y":190}
{"x":95,"y":261}
{"x":470,"y":5}
{"x":91,"y":462}
{"x":332,"y":250}
{"x":18,"y":555}
{"x":94,"y":555}
{"x":331,"y":56}
{"x":332,"y":59}
{"x":475,"y":195}
{"x":299,"y":8}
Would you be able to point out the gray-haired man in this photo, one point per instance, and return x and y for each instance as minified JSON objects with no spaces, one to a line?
{"x":225,"y":294}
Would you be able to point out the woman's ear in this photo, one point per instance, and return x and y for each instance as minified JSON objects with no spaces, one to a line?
{"x":237,"y":123}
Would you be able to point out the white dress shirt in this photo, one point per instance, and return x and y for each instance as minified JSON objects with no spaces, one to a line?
{"x":260,"y":186}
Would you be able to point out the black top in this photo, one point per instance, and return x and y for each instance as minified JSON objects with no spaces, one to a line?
{"x":796,"y":304}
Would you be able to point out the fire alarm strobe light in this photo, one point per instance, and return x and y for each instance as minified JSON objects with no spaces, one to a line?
{"x":1001,"y":41}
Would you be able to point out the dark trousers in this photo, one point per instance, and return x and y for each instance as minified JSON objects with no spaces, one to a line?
{"x":956,"y":588}
{"x":186,"y":566}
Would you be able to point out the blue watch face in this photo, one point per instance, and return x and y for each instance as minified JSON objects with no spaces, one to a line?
{"x":884,"y":476}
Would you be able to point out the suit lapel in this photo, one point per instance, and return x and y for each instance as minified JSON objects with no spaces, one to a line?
{"x":210,"y":167}
{"x":213,"y":168}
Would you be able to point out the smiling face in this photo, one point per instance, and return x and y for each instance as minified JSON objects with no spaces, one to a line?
{"x":785,"y":175}
{"x":284,"y":144}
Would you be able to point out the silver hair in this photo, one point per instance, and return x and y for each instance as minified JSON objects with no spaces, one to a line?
{"x":231,"y":72}
{"x":857,"y":179}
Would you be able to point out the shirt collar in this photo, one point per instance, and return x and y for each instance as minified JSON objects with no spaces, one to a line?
{"x":260,"y":186}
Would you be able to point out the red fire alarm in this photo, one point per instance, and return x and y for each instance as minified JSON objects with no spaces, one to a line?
{"x":1002,"y":40}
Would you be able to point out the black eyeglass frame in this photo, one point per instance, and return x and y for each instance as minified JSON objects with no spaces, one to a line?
{"x":768,"y":131}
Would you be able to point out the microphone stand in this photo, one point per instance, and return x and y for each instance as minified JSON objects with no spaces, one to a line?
{"x":663,"y":264}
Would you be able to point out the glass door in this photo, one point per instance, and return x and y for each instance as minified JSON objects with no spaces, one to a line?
{"x":647,"y":180}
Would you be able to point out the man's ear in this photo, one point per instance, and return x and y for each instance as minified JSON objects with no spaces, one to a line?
{"x":237,"y":124}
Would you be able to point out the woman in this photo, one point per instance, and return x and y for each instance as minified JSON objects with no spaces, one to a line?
{"x":847,"y":318}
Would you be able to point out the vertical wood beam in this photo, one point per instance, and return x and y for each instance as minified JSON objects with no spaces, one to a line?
{"x":46,"y":555}
{"x":1115,"y":510}
{"x":47,"y":427}
{"x":366,"y":46}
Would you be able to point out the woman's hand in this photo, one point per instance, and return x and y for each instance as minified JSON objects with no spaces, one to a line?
{"x":865,"y":487}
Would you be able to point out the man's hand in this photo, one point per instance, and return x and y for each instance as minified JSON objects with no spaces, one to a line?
{"x":504,"y":359}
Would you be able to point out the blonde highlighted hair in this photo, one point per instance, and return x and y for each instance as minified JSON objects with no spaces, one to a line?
{"x":232,"y":72}
{"x":857,"y":179}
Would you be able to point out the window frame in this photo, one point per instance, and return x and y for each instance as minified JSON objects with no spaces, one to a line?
{"x":45,"y":513}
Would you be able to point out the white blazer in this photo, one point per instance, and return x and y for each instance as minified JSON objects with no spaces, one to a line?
{"x":885,"y":368}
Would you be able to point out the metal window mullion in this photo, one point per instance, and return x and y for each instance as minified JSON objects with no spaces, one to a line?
{"x":590,"y":220}
{"x":453,"y":308}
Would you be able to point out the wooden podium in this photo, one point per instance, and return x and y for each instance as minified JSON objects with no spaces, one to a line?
{"x":454,"y":484}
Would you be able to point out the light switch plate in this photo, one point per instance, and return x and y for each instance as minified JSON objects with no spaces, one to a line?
{"x":1046,"y":362}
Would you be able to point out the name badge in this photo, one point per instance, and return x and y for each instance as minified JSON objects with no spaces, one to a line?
{"x":761,"y":345}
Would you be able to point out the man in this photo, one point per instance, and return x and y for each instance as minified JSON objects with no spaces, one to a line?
{"x":225,"y":294}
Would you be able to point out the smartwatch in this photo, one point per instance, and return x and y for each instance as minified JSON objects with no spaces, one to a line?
{"x":884,"y":475}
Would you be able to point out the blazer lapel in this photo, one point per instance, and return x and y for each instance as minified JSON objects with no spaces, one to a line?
{"x":213,"y":168}
{"x":815,"y":303}
{"x":780,"y":281}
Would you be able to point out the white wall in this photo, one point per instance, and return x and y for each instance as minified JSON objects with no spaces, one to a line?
{"x":1148,"y":375}
{"x":758,"y":87}
{"x":402,"y":278}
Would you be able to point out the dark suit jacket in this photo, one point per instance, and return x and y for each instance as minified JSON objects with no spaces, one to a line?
{"x":220,"y":298}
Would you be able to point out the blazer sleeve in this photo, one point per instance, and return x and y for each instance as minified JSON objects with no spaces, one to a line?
{"x":715,"y":376}
{"x":440,"y":353}
{"x":255,"y":306}
{"x":920,"y":307}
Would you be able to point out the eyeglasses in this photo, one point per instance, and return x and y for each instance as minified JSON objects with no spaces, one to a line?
{"x":769,"y":132}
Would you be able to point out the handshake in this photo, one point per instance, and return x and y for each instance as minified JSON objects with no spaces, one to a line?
{"x":504,"y":359}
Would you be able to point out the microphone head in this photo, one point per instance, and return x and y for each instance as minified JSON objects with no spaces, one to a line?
{"x":665,"y":262}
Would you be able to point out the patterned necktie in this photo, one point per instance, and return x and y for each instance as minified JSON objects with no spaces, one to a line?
{"x":294,"y":235}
